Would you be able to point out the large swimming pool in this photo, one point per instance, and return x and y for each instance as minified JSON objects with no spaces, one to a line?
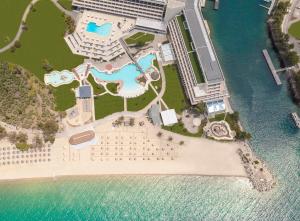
{"x":57,"y":78}
{"x":102,"y":30}
{"x":127,"y":74}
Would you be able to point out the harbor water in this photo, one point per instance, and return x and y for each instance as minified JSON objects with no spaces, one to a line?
{"x":239,"y":34}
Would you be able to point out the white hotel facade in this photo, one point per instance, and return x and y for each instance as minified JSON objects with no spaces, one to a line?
{"x":150,"y":9}
{"x":160,"y":16}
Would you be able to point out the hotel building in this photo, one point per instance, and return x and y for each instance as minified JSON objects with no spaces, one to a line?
{"x":197,"y":57}
{"x":149,"y":9}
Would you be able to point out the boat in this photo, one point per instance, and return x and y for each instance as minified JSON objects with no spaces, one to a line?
{"x":296,"y":119}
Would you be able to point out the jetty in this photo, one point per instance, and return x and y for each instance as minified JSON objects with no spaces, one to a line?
{"x":271,"y":67}
{"x":216,"y":5}
{"x":258,"y":173}
{"x":271,"y":6}
{"x":296,"y":119}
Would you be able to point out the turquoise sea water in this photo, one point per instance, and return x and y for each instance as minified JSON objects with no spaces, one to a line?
{"x":239,"y":35}
{"x":102,"y":30}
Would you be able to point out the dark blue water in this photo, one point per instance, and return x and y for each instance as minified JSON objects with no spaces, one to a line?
{"x":239,"y":34}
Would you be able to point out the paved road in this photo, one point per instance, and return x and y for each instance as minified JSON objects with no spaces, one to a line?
{"x":287,"y":20}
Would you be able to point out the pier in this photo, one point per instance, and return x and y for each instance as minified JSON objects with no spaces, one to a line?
{"x":271,"y":6}
{"x":271,"y":66}
{"x":296,"y":119}
{"x":216,"y":5}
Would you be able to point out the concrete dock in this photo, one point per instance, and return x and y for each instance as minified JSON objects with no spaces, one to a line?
{"x":216,"y":5}
{"x":271,"y":66}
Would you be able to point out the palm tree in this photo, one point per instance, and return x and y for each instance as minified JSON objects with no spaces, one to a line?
{"x":181,"y":142}
{"x":159,"y":134}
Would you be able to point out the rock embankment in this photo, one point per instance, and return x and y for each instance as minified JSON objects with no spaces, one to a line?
{"x":258,"y":173}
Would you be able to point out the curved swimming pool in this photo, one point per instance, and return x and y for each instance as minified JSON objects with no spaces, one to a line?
{"x":127,"y":74}
{"x":102,"y":30}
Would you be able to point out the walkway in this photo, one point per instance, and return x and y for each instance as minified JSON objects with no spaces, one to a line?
{"x":20,"y":31}
{"x":65,"y":11}
{"x":23,"y":20}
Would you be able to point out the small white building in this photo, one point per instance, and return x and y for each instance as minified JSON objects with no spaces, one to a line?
{"x":167,"y":53}
{"x":169,"y":117}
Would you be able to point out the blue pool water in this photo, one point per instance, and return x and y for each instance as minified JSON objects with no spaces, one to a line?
{"x":126,"y":74}
{"x":57,"y":78}
{"x":102,"y":30}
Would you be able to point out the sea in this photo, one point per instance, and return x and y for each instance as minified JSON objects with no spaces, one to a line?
{"x":238,"y":30}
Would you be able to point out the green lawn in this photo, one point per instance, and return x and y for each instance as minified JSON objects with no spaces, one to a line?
{"x":157,"y":84}
{"x":179,"y":129}
{"x":138,"y":103}
{"x":140,"y":38}
{"x":10,"y":19}
{"x":67,"y":4}
{"x":64,"y":96}
{"x":112,"y":87}
{"x":98,"y":89}
{"x":294,"y":30}
{"x":44,"y":40}
{"x":185,"y":33}
{"x":196,"y":67}
{"x":174,"y":94}
{"x":193,"y":57}
{"x":107,"y":104}
{"x":155,"y":63}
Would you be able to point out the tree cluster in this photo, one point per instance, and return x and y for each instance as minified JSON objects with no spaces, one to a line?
{"x":280,"y":39}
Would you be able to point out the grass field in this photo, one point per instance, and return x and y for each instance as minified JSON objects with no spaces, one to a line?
{"x":193,"y":57}
{"x":112,"y":87}
{"x":44,"y":40}
{"x":138,"y":103}
{"x":294,"y":30}
{"x":10,"y":19}
{"x":67,"y":4}
{"x":107,"y":104}
{"x":179,"y":129}
{"x":64,"y":96}
{"x":174,"y":94}
{"x":140,"y":38}
{"x":98,"y":89}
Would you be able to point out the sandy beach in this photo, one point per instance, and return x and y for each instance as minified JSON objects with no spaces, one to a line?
{"x":124,"y":150}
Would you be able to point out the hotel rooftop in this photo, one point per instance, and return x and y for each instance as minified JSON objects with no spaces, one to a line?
{"x":201,"y":42}
{"x":100,"y":42}
{"x":196,"y":58}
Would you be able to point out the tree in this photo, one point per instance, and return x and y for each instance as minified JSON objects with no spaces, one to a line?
{"x":21,"y":137}
{"x":12,"y":137}
{"x":131,"y":122}
{"x":47,"y":66}
{"x":201,"y":108}
{"x":159,"y":134}
{"x":3,"y":132}
{"x":23,"y":146}
{"x":292,"y":57}
{"x":181,"y":142}
{"x":49,"y":129}
{"x":17,"y":44}
{"x":37,"y":142}
{"x":170,"y":138}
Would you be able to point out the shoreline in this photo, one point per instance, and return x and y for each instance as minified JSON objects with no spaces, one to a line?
{"x":130,"y":151}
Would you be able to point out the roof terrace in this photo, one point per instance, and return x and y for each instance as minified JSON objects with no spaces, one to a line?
{"x":201,"y":42}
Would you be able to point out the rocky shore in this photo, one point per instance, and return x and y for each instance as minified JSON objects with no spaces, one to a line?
{"x":258,"y":173}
